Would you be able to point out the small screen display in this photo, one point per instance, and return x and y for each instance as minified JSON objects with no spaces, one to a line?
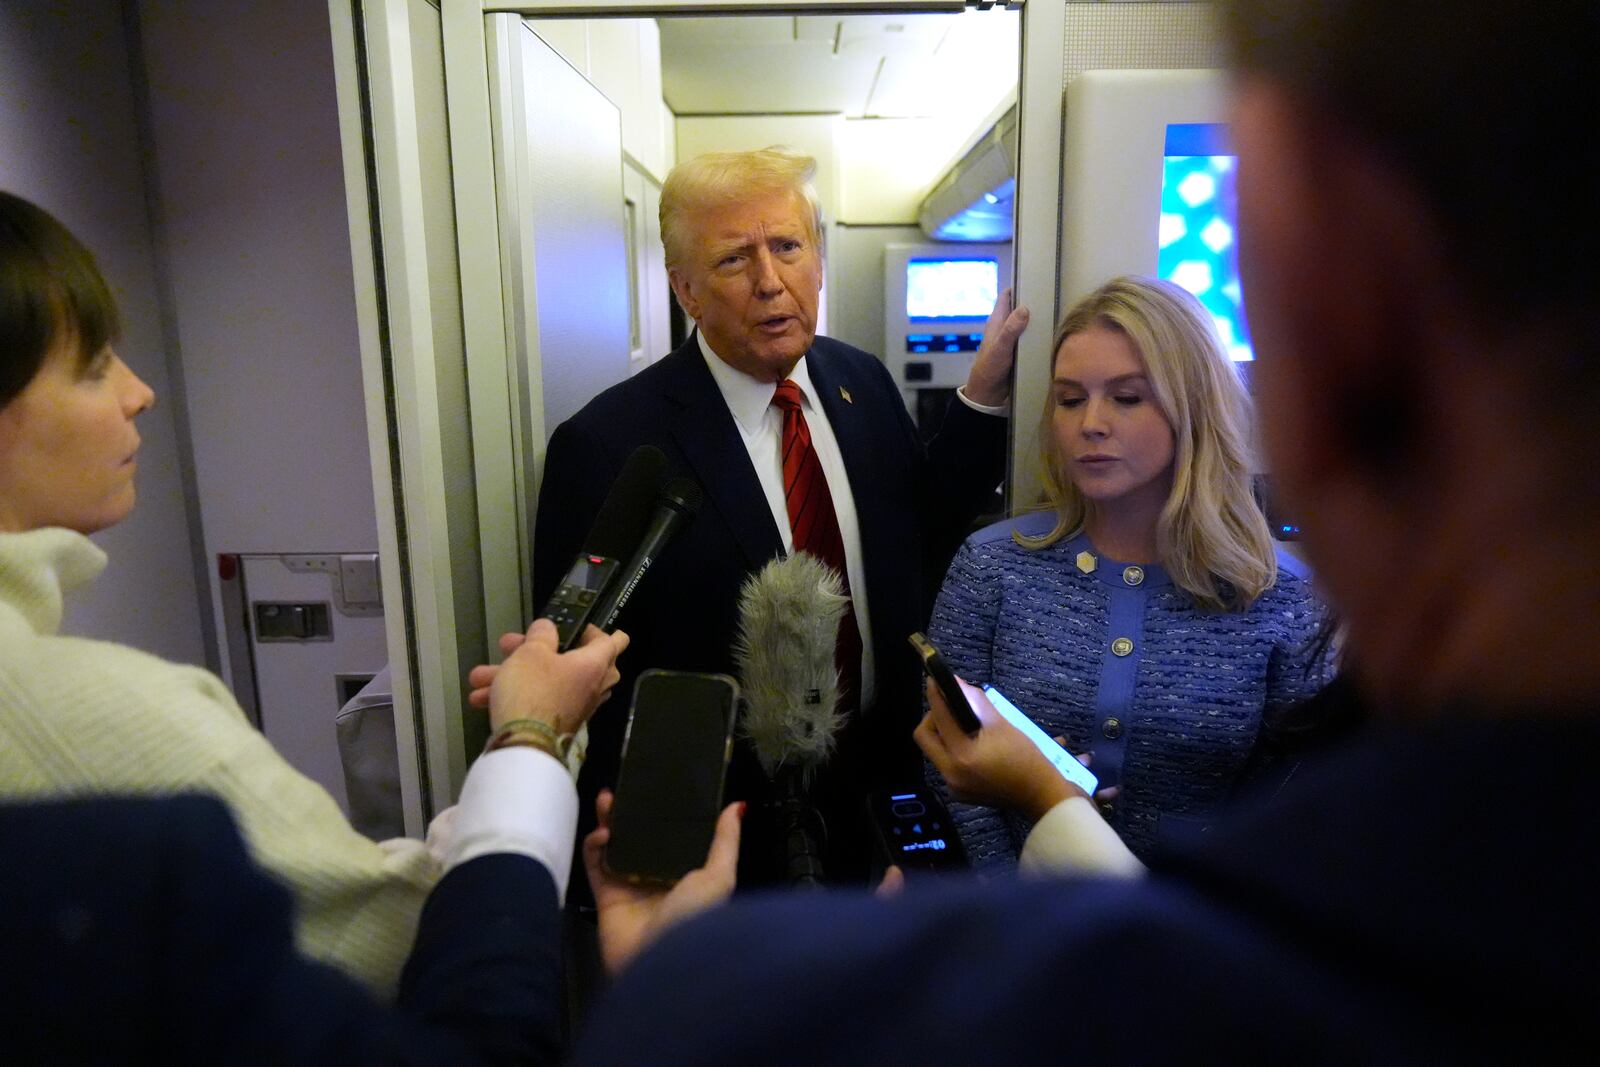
{"x":951,"y":288}
{"x":915,"y":833}
{"x":1199,"y":214}
{"x":590,"y":572}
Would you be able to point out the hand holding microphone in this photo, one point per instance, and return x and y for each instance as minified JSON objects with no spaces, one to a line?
{"x":588,"y":593}
{"x":641,"y":514}
{"x":481,"y":678}
{"x":560,"y":689}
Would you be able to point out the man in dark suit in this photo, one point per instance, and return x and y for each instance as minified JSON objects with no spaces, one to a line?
{"x":1417,"y":223}
{"x":742,"y":235}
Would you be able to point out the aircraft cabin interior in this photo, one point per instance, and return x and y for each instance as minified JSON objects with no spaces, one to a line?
{"x":370,"y":253}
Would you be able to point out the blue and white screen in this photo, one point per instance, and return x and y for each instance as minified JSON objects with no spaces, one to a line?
{"x":1199,"y":213}
{"x":951,"y":288}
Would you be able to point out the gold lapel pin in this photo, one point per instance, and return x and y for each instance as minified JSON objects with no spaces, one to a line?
{"x":845,"y":393}
{"x":1086,"y":562}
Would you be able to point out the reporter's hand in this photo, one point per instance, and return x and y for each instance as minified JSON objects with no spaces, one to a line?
{"x":481,"y":677}
{"x":1102,"y":797}
{"x":997,"y":766}
{"x":632,"y":916}
{"x":989,"y":381}
{"x":559,"y":688}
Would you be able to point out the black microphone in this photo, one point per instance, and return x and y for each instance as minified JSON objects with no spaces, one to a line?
{"x":789,"y":614}
{"x":620,"y":525}
{"x":676,"y":504}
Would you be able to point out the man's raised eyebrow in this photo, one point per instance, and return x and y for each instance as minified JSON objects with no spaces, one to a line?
{"x":730,"y":245}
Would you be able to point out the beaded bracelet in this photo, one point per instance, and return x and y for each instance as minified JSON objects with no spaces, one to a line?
{"x":533,"y":733}
{"x":526,"y":741}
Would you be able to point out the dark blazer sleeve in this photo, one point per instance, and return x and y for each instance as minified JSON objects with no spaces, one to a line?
{"x":966,"y":463}
{"x":141,"y":931}
{"x":952,"y":478}
{"x":486,"y":967}
{"x":1044,"y":972}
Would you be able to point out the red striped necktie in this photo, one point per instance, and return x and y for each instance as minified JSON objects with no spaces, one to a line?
{"x":815,"y":525}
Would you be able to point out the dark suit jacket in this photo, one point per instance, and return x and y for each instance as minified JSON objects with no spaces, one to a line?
{"x":139,"y":931}
{"x":914,"y":506}
{"x":1425,"y":896}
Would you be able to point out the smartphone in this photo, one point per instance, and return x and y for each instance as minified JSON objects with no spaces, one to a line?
{"x":942,"y":677}
{"x":913,"y":831}
{"x":1060,"y":758}
{"x":669,"y":788}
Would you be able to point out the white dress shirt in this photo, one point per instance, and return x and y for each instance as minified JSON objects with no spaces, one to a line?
{"x":516,"y":799}
{"x":761,"y":427}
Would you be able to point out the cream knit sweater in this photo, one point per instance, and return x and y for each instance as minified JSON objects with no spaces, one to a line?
{"x":82,"y":717}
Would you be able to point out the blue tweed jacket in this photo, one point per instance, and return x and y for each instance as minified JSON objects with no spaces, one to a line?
{"x":1170,"y":698}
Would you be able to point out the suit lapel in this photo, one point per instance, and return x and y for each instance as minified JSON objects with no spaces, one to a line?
{"x":711,"y":444}
{"x":858,"y":429}
{"x":852,"y":427}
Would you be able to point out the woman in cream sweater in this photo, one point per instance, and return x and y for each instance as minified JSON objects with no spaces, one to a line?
{"x":86,"y":717}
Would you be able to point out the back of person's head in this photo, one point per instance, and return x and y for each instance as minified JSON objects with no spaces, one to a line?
{"x":1416,"y":211}
{"x":1212,"y":536}
{"x":1484,"y":107}
{"x":719,"y":177}
{"x":49,"y":287}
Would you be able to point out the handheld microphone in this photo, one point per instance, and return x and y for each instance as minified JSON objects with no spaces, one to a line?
{"x":789,"y":614}
{"x":620,"y":524}
{"x":676,"y":504}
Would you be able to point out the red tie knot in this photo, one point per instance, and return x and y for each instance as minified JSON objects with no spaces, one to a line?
{"x":787,"y":398}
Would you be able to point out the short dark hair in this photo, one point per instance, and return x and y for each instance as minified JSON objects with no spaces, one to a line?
{"x":1479,"y":103}
{"x":49,"y":284}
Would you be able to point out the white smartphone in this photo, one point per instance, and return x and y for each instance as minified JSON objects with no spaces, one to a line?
{"x":1060,"y":758}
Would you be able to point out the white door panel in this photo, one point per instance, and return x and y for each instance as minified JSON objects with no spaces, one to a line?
{"x":316,"y":635}
{"x":563,"y":250}
{"x":573,"y":219}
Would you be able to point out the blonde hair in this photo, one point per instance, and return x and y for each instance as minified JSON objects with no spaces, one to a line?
{"x":718,"y":177}
{"x":1212,"y":537}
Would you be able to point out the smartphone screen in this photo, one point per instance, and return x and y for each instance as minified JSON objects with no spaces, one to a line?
{"x":669,"y":787}
{"x":914,"y":831}
{"x":1060,"y":758}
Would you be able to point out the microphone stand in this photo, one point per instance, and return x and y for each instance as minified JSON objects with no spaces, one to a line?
{"x":801,"y":828}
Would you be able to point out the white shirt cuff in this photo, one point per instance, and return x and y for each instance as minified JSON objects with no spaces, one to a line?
{"x":1003,"y":410}
{"x":1073,"y":838}
{"x":516,"y":799}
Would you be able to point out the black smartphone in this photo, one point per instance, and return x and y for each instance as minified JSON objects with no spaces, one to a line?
{"x":913,"y":831}
{"x":669,"y":788}
{"x":942,"y":677}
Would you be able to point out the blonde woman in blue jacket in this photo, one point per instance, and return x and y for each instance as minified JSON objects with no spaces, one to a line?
{"x":1146,"y":616}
